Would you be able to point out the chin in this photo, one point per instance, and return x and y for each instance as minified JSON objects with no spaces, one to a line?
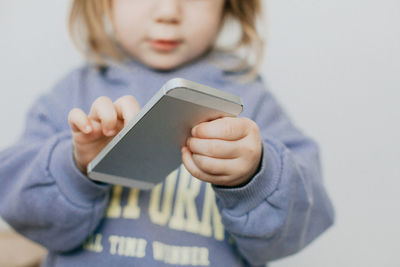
{"x":164,"y":66}
{"x":164,"y":62}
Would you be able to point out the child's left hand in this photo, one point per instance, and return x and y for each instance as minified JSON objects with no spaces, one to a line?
{"x":225,"y":151}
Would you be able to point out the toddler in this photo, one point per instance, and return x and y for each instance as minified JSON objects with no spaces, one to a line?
{"x":249,"y":190}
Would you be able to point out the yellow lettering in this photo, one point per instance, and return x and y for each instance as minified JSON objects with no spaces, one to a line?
{"x":114,"y":207}
{"x":203,"y":257}
{"x":121,"y":245}
{"x":93,"y":243}
{"x":172,"y":257}
{"x":158,"y":251}
{"x":210,"y":208}
{"x":127,"y":246}
{"x":185,"y":203}
{"x":132,"y":210}
{"x":113,"y":239}
{"x":185,"y":256}
{"x":180,"y":255}
{"x":157,"y":215}
{"x":141,"y":248}
{"x":184,"y":211}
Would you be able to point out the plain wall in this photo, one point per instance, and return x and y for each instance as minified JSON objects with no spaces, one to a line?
{"x":334,"y":65}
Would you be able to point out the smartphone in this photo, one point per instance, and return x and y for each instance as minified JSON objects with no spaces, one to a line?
{"x":148,"y":148}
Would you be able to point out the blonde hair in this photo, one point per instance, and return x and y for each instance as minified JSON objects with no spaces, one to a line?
{"x":90,"y":24}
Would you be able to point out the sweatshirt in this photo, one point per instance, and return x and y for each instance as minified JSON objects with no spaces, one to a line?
{"x":180,"y":222}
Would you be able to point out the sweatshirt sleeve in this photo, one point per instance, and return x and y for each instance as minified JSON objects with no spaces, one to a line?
{"x":42,"y":193}
{"x":284,"y":206}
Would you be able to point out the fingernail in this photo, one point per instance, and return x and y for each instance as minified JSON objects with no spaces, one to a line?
{"x":110,"y":132}
{"x":194,"y":131}
{"x":88,"y":129}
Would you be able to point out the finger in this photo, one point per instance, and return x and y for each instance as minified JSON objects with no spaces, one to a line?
{"x":215,"y":148}
{"x":127,"y":107}
{"x":226,"y":128}
{"x":79,"y":122}
{"x":195,"y":171}
{"x":103,"y":110}
{"x":214,"y":166}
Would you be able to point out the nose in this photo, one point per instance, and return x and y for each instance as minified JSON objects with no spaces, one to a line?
{"x":167,"y":11}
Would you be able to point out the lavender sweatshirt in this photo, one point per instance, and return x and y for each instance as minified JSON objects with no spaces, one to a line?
{"x":181,"y":222}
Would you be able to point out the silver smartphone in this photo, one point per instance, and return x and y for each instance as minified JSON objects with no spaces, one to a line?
{"x":148,"y":148}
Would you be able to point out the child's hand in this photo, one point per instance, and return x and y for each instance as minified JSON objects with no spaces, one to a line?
{"x":91,"y":133}
{"x":225,"y":151}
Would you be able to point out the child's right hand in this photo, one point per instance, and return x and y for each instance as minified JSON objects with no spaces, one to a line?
{"x":91,"y":133}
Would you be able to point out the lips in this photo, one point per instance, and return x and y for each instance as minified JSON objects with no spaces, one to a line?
{"x":164,"y":45}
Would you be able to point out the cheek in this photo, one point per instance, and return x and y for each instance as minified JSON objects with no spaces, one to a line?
{"x":127,"y":20}
{"x":202,"y":30}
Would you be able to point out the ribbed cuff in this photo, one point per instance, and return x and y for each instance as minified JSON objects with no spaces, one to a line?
{"x":240,"y":200}
{"x":76,"y":186}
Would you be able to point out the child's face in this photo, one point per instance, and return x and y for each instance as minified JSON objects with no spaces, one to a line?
{"x":164,"y":34}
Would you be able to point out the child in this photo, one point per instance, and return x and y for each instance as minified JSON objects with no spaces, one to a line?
{"x":249,"y":190}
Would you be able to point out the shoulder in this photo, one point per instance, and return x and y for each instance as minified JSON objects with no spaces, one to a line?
{"x":65,"y":95}
{"x":77,"y":78}
{"x":253,"y":90}
{"x":232,"y":75}
{"x":77,"y":83}
{"x":231,"y":70}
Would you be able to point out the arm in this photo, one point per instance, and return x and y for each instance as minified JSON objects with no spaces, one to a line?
{"x":42,"y":194}
{"x":282,"y":209}
{"x":283,"y":206}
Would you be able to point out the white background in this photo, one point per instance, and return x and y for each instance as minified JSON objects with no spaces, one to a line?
{"x":334,"y":65}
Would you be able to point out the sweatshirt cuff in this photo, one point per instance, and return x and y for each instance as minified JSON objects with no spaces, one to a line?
{"x":241,"y":200}
{"x":73,"y":184}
